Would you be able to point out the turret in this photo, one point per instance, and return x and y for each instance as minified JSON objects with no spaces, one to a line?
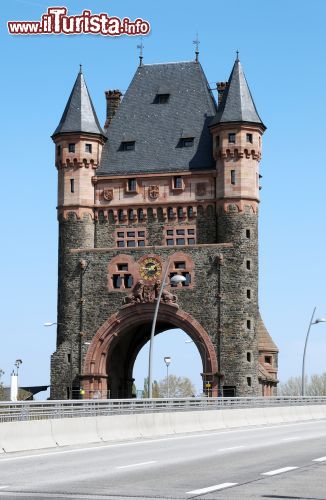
{"x":237,"y":130}
{"x":79,"y":139}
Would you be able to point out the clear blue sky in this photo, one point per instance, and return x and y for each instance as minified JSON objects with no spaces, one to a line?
{"x":282,"y":49}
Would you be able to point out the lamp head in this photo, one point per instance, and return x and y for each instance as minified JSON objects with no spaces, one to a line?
{"x":177,"y":278}
{"x":320,"y":320}
{"x":167,"y":360}
{"x":49,"y":323}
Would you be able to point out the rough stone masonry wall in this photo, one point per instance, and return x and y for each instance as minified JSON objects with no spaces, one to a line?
{"x":236,"y":338}
{"x":201,"y":302}
{"x":73,"y":233}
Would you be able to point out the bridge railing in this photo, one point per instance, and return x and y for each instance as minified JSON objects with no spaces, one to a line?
{"x":39,"y":410}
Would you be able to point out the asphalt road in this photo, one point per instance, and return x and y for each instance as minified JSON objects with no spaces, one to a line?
{"x":285,"y":461}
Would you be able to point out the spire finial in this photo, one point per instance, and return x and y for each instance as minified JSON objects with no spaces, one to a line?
{"x":237,"y":52}
{"x":80,"y":68}
{"x":196,"y":42}
{"x":140,"y":47}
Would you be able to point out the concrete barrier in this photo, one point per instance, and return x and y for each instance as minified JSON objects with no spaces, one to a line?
{"x":187,"y":421}
{"x":117,"y":428}
{"x":211,"y":420}
{"x":69,"y":431}
{"x":256,"y":416}
{"x":37,"y":434}
{"x":154,"y":424}
{"x":26,"y":435}
{"x":235,"y":418}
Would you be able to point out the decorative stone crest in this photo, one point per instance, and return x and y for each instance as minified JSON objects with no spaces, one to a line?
{"x":108,"y":194}
{"x":153,"y":192}
{"x":148,"y":293}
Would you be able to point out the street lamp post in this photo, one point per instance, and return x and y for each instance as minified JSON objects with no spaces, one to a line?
{"x":318,"y":320}
{"x":52,"y":323}
{"x":174,"y":280}
{"x":167,"y":361}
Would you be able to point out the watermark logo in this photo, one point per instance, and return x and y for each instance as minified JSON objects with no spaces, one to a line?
{"x":56,"y":22}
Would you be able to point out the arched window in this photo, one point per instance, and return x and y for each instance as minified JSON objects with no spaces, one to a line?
{"x":170,"y":213}
{"x":180,"y":212}
{"x":120,"y":215}
{"x":131,"y":215}
{"x":190,"y":212}
{"x":140,"y":214}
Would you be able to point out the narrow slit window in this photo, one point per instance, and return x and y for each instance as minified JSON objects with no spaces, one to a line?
{"x":72,"y":185}
{"x":249,"y":381}
{"x":248,"y":293}
{"x":249,"y":357}
{"x":248,"y":324}
{"x":248,"y":264}
{"x":232,"y":176}
{"x":248,"y":233}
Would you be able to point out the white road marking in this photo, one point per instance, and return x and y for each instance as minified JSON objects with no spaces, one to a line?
{"x":231,"y":448}
{"x":321,"y":459}
{"x":136,"y":465}
{"x":158,"y":440}
{"x":278,"y":471}
{"x":211,"y":488}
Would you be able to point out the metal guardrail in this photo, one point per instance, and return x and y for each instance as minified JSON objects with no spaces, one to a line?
{"x":40,"y":410}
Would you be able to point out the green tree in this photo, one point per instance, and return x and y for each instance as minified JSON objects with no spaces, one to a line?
{"x":155,"y":389}
{"x":2,"y":394}
{"x":179,"y":387}
{"x":315,"y":386}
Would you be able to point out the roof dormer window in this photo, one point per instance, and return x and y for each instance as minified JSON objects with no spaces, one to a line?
{"x":162,"y":98}
{"x":186,"y":142}
{"x":127,"y":146}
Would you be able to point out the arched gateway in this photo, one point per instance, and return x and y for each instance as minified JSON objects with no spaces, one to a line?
{"x":112,"y":353}
{"x":173,"y":180}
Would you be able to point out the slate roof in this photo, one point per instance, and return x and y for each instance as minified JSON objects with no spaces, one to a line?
{"x":79,"y":114}
{"x":157,"y":128}
{"x":237,"y":104}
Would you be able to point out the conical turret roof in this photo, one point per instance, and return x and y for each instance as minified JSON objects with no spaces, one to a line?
{"x":79,"y":114}
{"x":237,"y":104}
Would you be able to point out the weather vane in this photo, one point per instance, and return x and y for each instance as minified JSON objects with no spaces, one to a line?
{"x":196,"y":42}
{"x":140,"y":47}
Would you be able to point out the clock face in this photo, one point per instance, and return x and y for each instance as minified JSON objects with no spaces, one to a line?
{"x":150,"y":269}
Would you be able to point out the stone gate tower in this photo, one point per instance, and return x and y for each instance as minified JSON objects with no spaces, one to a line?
{"x":172,"y":182}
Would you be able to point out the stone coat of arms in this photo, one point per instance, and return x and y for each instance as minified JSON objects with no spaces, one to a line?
{"x":153,"y":192}
{"x":108,"y":194}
